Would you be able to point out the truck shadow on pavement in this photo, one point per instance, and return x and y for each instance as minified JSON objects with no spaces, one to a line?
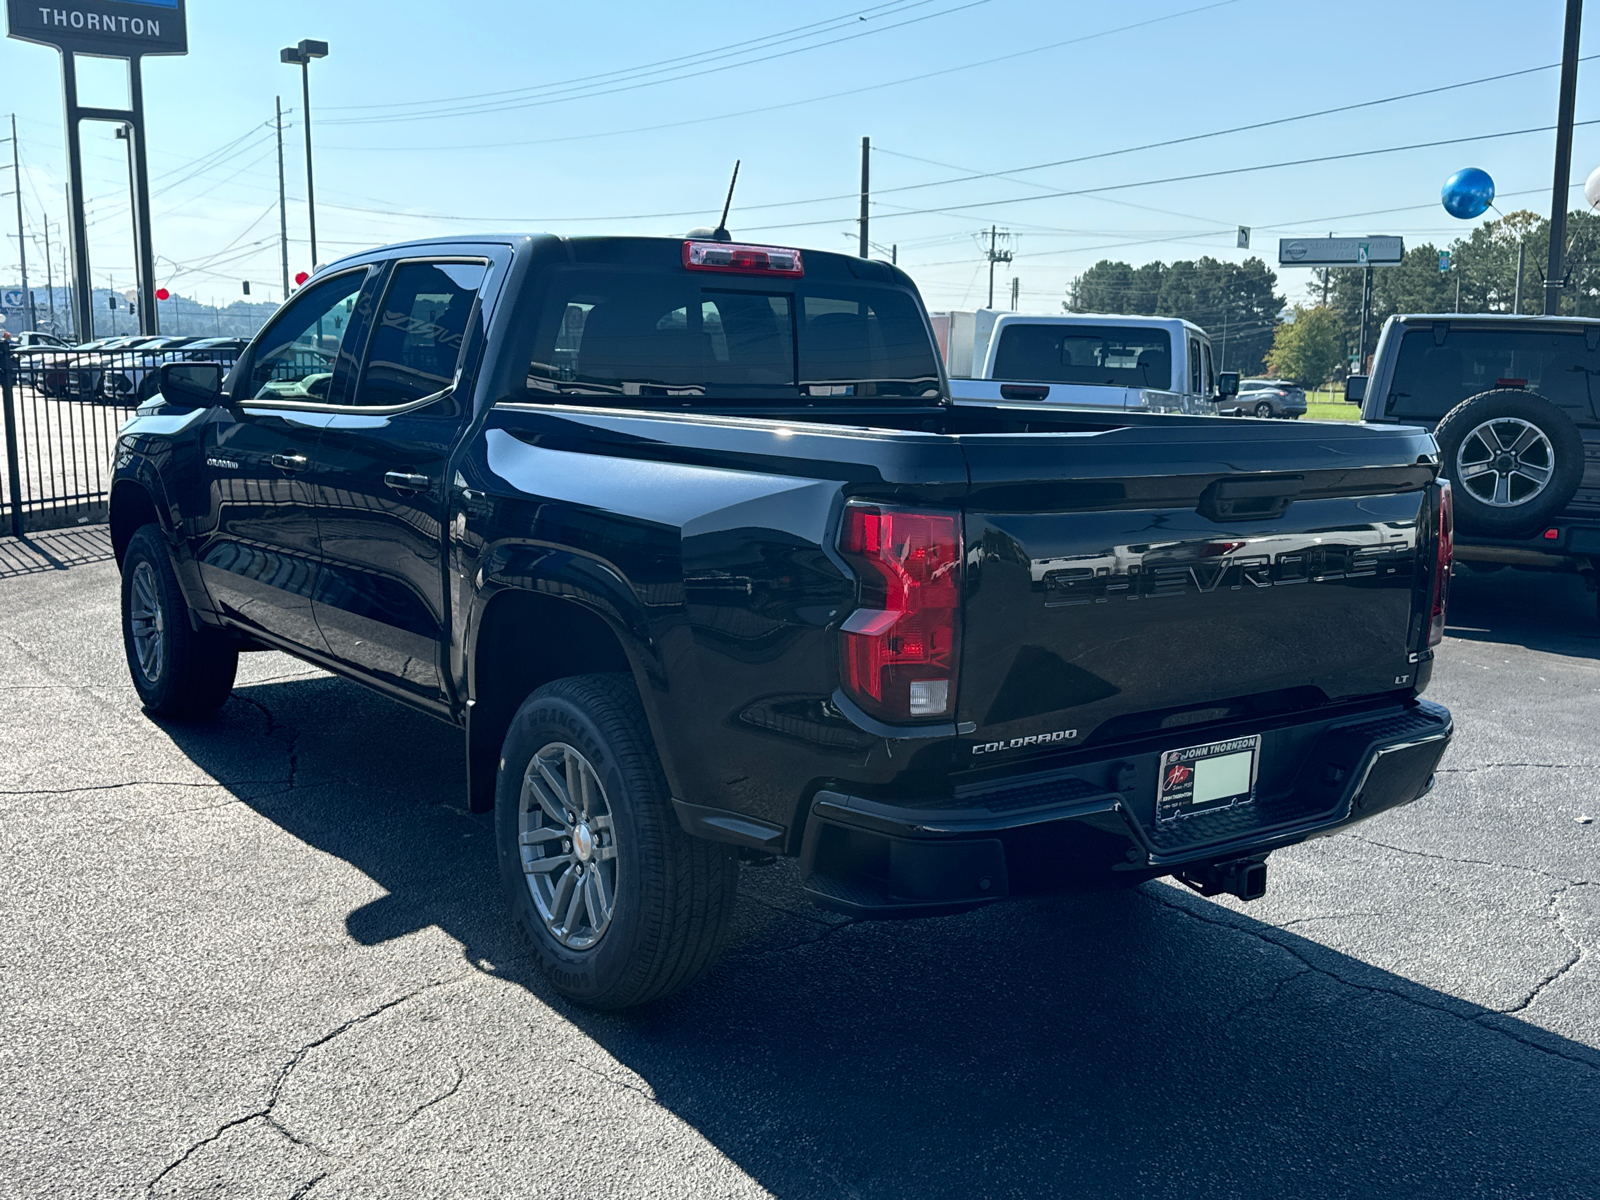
{"x":1141,"y":1043}
{"x":1537,"y":609}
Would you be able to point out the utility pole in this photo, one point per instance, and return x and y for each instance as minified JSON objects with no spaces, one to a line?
{"x":1016,"y":291}
{"x":22,"y":245}
{"x":49,"y":279}
{"x":1366,"y":312}
{"x":1516,"y":305}
{"x":866,"y":179}
{"x":894,"y":254}
{"x":1555,"y":274}
{"x":995,"y":256}
{"x":283,"y":213}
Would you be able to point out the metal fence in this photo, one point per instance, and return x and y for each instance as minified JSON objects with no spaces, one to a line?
{"x":62,"y":410}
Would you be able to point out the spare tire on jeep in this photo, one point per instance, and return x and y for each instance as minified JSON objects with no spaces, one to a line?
{"x":1514,"y":458}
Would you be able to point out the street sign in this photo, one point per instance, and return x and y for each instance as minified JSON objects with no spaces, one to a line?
{"x":1244,"y":237}
{"x":113,"y":28}
{"x":1340,"y":252}
{"x":1444,"y":261}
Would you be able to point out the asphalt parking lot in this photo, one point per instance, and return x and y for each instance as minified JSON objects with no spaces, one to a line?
{"x":266,"y":957}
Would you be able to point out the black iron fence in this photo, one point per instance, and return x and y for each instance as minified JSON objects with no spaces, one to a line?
{"x":62,"y":410}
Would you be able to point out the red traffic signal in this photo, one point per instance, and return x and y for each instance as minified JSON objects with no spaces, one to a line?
{"x":163,"y":294}
{"x":300,"y":277}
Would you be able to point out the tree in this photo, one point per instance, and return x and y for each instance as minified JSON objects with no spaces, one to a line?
{"x":1308,"y":349}
{"x":1234,"y":302}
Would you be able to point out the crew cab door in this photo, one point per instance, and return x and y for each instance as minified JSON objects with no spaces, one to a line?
{"x":258,"y":557}
{"x":382,"y":481}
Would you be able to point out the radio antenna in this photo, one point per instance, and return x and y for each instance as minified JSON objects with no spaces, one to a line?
{"x":721,"y":232}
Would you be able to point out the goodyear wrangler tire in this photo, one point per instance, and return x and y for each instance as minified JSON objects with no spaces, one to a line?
{"x":1514,"y":458}
{"x":619,"y":905}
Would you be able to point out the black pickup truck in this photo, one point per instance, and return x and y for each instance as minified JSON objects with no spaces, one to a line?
{"x":689,"y":540}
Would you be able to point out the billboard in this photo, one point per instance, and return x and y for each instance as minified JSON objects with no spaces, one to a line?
{"x":112,"y":28}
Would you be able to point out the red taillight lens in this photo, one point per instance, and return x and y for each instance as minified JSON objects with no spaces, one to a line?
{"x":1444,"y":554}
{"x":898,"y":650}
{"x":739,"y":259}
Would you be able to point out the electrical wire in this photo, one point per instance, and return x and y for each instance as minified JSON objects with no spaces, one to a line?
{"x":782,"y":36}
{"x":921,"y":78}
{"x":507,"y":106}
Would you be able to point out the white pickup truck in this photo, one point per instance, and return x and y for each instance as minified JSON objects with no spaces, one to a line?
{"x":1146,"y":364}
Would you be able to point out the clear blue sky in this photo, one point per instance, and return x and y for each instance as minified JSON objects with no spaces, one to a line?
{"x":606,"y":155}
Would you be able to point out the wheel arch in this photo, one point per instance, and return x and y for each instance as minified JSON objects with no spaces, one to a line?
{"x":132,"y":506}
{"x":521,"y":639}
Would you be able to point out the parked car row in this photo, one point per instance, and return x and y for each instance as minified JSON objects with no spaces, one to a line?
{"x":110,"y":370}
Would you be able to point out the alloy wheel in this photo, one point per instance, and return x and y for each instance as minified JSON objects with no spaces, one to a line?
{"x":567,"y":840}
{"x":147,"y":622}
{"x":1505,"y":462}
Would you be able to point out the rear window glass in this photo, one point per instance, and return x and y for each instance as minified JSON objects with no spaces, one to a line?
{"x":1108,"y":355}
{"x":1433,"y":374}
{"x":627,"y":336}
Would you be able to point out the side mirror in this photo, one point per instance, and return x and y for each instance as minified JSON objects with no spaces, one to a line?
{"x":1355,"y":389}
{"x":192,"y":383}
{"x":1227,"y":384}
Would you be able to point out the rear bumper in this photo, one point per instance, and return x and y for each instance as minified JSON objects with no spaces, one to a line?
{"x":1575,"y":547}
{"x":1060,"y":830}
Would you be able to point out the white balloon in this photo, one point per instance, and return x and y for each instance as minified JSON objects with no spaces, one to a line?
{"x":1591,"y":189}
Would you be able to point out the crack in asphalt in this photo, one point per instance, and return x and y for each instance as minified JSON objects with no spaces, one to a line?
{"x":284,"y":1072}
{"x":1578,"y":950}
{"x":1374,"y":989}
{"x":804,"y":942}
{"x":1465,"y":862}
{"x":291,"y":743}
{"x":1268,"y":1000}
{"x":649,"y":1097}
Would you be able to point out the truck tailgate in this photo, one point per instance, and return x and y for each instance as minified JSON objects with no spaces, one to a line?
{"x":1182,"y":572}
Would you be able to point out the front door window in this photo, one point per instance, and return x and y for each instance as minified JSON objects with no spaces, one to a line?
{"x":300,"y":348}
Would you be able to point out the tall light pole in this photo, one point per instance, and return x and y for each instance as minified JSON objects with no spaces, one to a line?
{"x":302,"y":55}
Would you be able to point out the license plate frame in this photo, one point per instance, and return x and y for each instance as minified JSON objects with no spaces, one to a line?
{"x":1228,"y":782}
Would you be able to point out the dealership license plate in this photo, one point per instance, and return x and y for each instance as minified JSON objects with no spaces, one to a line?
{"x":1206,"y":778}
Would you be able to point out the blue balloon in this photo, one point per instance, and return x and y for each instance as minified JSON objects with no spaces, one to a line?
{"x":1468,"y":193}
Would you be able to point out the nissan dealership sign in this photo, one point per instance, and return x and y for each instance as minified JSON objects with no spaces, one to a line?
{"x":112,"y":28}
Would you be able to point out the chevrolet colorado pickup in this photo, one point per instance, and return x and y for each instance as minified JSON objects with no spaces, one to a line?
{"x":689,"y":540}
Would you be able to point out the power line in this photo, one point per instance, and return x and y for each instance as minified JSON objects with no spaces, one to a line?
{"x":1218,"y":174}
{"x":539,"y":102}
{"x":784,"y":35}
{"x":921,"y":78}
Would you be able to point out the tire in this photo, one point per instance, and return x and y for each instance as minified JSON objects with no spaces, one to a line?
{"x":178,"y":671}
{"x":671,"y":896}
{"x":1263,"y":409}
{"x":1528,"y":457}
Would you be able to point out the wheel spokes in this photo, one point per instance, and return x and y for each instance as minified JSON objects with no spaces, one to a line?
{"x":1530,"y":435}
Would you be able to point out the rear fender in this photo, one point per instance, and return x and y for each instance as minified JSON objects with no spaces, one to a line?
{"x":559,"y":578}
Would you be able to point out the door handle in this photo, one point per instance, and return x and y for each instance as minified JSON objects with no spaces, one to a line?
{"x":403,"y":481}
{"x":288,"y":462}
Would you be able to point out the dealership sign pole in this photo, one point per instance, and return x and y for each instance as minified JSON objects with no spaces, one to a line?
{"x":125,"y":29}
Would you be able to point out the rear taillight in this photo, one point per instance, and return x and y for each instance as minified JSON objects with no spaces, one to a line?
{"x":1444,"y":552}
{"x":898,"y":650}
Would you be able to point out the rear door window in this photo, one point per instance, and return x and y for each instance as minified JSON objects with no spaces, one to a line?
{"x":1196,"y":385}
{"x":1436,"y":369}
{"x":620,"y":336}
{"x":1113,"y":356}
